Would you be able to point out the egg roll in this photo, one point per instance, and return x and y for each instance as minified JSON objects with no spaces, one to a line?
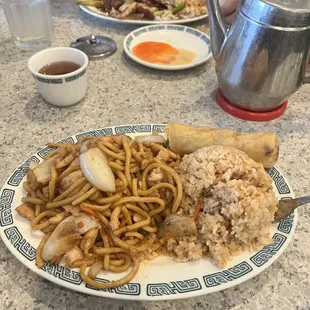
{"x":262,"y":147}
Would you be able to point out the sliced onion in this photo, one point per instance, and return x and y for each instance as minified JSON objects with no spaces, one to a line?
{"x":65,"y":234}
{"x":151,"y":138}
{"x":94,"y":165}
{"x":62,"y":239}
{"x":43,"y":170}
{"x":83,"y":148}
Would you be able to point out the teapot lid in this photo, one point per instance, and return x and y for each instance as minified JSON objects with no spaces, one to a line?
{"x":280,"y":13}
{"x":95,"y":47}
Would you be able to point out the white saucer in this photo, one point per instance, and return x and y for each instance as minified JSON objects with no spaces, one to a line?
{"x":175,"y":35}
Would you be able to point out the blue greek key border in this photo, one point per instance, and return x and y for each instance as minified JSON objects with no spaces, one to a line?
{"x":127,"y":289}
{"x":19,"y":243}
{"x":192,"y":31}
{"x":175,"y":27}
{"x":132,"y":129}
{"x":279,"y":181}
{"x":75,"y":77}
{"x":6,"y":199}
{"x":95,"y":133}
{"x":228,"y":275}
{"x":21,"y":171}
{"x":63,"y":273}
{"x":286,"y":225}
{"x":264,"y":255}
{"x":177,"y":287}
{"x":159,"y":128}
{"x":140,"y":31}
{"x":128,"y":42}
{"x":48,"y":81}
{"x":47,"y":150}
{"x":59,"y":80}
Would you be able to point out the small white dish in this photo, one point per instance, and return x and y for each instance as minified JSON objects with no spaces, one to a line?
{"x":180,"y":37}
{"x":60,"y":90}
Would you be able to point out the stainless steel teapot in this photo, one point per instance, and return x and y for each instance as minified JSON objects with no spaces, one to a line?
{"x":261,"y":59}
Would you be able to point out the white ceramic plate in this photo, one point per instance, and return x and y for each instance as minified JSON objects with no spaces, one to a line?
{"x":158,"y":279}
{"x":176,"y":35}
{"x":99,"y":14}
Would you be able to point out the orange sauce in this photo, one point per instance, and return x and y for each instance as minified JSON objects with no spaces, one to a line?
{"x":162,"y":53}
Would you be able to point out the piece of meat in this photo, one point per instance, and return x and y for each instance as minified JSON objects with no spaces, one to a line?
{"x":112,"y":4}
{"x":89,"y":240}
{"x":32,"y":180}
{"x":116,"y":4}
{"x":72,"y":209}
{"x":172,"y":3}
{"x":107,"y":6}
{"x":130,"y":9}
{"x":74,"y":254}
{"x":153,"y":3}
{"x":146,"y":13}
{"x":45,"y":191}
{"x":25,"y":211}
{"x":67,"y":181}
{"x":95,"y":269}
{"x":156,"y":175}
{"x":163,"y":155}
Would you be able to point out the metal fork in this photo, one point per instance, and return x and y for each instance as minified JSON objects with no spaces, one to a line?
{"x":287,"y":206}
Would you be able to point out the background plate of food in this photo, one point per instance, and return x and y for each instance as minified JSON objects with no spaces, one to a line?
{"x":146,"y":11}
{"x":113,"y":212}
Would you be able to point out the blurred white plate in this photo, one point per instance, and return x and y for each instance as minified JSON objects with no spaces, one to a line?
{"x":99,"y":14}
{"x":175,"y":35}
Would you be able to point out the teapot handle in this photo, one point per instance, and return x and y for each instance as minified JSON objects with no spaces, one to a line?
{"x":307,"y":78}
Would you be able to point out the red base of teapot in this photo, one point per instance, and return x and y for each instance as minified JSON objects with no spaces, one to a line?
{"x":248,"y":115}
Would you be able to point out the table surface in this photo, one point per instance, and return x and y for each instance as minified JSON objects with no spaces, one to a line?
{"x":121,"y":92}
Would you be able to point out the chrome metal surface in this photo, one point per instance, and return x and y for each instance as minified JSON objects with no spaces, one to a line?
{"x":95,"y":47}
{"x":261,"y":59}
{"x":219,"y":28}
{"x":287,"y":206}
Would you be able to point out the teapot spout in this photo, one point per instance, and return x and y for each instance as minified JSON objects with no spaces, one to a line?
{"x":218,"y":28}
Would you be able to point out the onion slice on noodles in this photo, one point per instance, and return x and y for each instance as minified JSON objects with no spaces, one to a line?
{"x":151,"y":138}
{"x":65,"y":234}
{"x":94,"y":165}
{"x":42,"y":171}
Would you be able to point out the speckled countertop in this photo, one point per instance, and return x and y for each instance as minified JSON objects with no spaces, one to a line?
{"x":119,"y":92}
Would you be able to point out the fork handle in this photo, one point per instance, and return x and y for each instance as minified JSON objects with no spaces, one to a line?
{"x":302,"y":200}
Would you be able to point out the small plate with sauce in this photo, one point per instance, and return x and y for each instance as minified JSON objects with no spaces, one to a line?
{"x":168,"y":47}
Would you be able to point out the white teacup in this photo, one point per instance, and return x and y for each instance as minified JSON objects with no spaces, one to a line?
{"x":60,"y":90}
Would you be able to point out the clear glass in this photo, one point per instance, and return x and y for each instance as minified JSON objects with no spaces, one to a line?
{"x":30,"y":22}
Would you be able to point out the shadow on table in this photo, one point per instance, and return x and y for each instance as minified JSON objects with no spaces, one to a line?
{"x":292,"y":122}
{"x":38,"y":110}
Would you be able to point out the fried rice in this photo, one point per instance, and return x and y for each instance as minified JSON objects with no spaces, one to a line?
{"x":237,"y":205}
